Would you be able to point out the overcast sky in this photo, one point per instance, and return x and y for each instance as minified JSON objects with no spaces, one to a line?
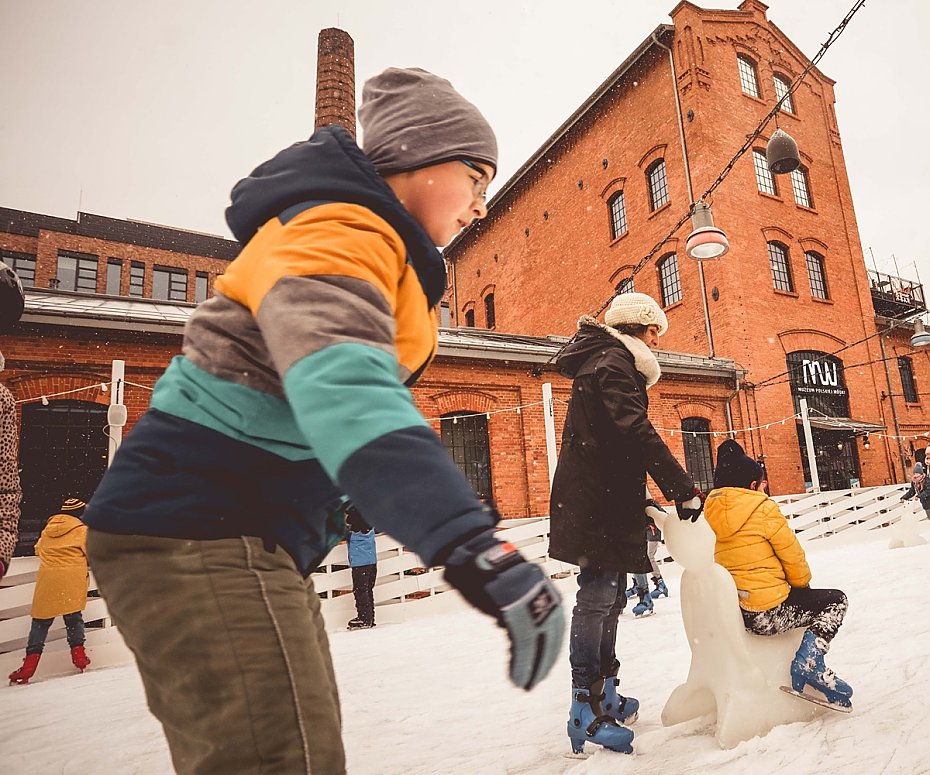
{"x":152,"y":111}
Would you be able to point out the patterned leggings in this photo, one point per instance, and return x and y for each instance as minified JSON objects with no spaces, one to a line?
{"x":819,"y":610}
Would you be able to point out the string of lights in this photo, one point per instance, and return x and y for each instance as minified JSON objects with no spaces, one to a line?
{"x":715,"y":434}
{"x":456,"y":417}
{"x":102,"y":386}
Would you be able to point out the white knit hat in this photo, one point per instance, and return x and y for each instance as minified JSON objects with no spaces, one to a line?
{"x":635,"y":309}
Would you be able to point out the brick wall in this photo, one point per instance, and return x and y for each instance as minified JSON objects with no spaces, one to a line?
{"x":546,"y":250}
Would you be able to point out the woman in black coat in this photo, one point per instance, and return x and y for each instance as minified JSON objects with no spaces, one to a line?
{"x":599,"y":497}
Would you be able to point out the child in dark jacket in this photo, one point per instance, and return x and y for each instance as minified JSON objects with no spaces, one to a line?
{"x":290,"y":398}
{"x":757,"y":546}
{"x":363,"y":559}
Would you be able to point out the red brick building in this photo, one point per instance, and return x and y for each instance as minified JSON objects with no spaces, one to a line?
{"x":483,"y":394}
{"x":566,"y":231}
{"x":563,"y":233}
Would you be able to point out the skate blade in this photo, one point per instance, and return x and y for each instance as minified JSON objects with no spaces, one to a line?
{"x":644,"y":614}
{"x":816,"y":700}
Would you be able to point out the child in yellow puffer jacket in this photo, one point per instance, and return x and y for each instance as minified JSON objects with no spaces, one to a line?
{"x":61,"y":587}
{"x":757,"y":546}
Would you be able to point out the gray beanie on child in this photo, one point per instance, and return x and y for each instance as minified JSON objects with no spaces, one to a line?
{"x":411,"y":118}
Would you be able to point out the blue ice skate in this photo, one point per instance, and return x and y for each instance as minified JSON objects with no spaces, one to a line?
{"x":587,"y":722}
{"x":623,"y":709}
{"x":808,"y":669}
{"x":644,"y":607}
{"x":660,"y":590}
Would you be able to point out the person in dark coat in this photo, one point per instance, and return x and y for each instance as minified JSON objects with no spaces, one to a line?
{"x":599,"y":497}
{"x":919,"y":489}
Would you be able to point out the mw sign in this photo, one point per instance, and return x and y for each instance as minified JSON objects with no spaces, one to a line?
{"x":819,"y":377}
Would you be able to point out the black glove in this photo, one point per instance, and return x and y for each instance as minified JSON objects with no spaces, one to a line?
{"x":654,"y":510}
{"x":495,"y":578}
{"x":692,"y":507}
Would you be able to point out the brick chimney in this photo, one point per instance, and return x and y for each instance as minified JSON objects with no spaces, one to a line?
{"x":335,"y":80}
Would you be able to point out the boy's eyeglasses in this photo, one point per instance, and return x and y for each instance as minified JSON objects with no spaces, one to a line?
{"x":480,"y":185}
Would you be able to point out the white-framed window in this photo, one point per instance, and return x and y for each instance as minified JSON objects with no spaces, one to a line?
{"x":800,"y":185}
{"x":782,"y":87}
{"x":765,"y":180}
{"x":669,"y":280}
{"x":816,"y":275}
{"x":657,"y":181}
{"x":626,"y":286}
{"x":617,"y":208}
{"x":781,"y":267}
{"x":748,"y":77}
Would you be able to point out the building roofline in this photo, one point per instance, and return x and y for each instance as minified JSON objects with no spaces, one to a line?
{"x":120,"y":313}
{"x":131,"y":232}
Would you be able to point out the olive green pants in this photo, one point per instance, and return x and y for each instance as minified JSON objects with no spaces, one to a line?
{"x":230,"y":643}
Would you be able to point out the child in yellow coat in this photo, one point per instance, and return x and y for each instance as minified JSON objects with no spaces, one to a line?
{"x":757,"y":546}
{"x":61,"y":587}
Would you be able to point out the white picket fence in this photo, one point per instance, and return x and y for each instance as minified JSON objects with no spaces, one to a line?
{"x":404,"y":587}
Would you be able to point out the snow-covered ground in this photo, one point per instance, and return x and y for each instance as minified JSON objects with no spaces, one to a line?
{"x":430,"y":695}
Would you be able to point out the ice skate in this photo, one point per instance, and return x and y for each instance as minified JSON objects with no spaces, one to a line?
{"x":79,"y":658}
{"x":623,"y":709}
{"x":26,"y":671}
{"x":661,"y":590}
{"x":359,"y":624}
{"x":588,"y":722}
{"x":644,"y":607}
{"x":808,"y":669}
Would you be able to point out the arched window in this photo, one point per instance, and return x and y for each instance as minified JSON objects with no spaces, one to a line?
{"x":626,"y":286}
{"x":695,"y":431}
{"x":748,"y":78}
{"x":800,"y":184}
{"x":465,"y":437}
{"x":782,"y":87}
{"x":470,"y":318}
{"x":908,"y":384}
{"x":657,"y":182}
{"x":489,"y":310}
{"x":765,"y":180}
{"x":617,"y":209}
{"x":781,"y":267}
{"x":669,"y":280}
{"x":817,"y":275}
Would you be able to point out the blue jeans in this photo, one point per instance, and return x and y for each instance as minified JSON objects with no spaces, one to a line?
{"x":593,"y":642}
{"x":642,"y":583}
{"x":74,"y":623}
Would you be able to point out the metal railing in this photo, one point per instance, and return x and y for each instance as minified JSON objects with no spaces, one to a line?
{"x":403,"y":584}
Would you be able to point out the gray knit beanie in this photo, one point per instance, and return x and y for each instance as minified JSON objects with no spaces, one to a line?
{"x":411,"y":118}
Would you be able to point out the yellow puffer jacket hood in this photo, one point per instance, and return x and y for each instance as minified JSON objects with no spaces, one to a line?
{"x":756,"y":545}
{"x":61,"y":583}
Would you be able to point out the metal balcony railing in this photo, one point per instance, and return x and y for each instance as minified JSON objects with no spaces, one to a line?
{"x":896,"y":297}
